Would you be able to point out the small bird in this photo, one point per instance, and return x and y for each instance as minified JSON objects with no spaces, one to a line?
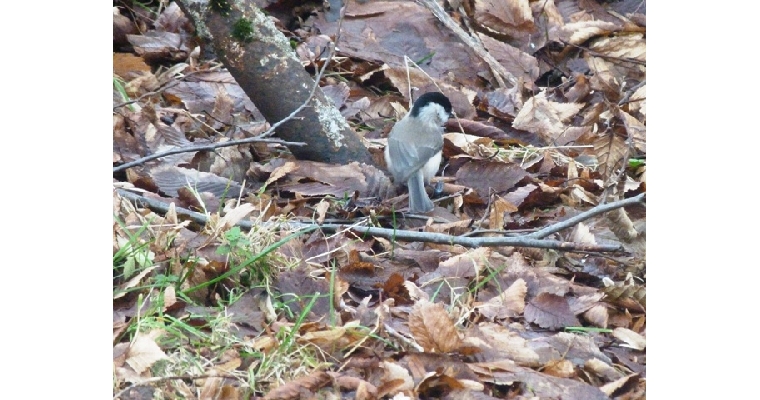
{"x":413,"y":153}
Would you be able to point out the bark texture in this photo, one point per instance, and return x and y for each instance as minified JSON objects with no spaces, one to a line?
{"x":261,"y":60}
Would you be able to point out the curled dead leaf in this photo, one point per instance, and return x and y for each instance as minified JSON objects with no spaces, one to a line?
{"x":432,"y":328}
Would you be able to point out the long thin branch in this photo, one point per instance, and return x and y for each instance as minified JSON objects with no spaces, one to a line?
{"x":441,"y":238}
{"x":394,"y":234}
{"x":500,"y":73}
{"x":203,"y":147}
{"x":609,"y":57}
{"x":260,"y":138}
{"x":600,"y":209}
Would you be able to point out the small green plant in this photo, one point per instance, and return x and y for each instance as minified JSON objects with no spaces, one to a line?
{"x":584,"y":329}
{"x":133,"y":253}
{"x":118,"y":84}
{"x":261,"y":271}
{"x":243,"y":31}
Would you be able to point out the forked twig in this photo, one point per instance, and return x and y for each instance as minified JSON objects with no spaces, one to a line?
{"x":263,"y":136}
{"x":405,"y":235}
{"x":600,"y":209}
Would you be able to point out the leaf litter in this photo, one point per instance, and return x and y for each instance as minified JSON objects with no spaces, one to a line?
{"x":205,"y":309}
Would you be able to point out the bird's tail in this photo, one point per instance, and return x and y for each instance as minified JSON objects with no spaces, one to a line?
{"x":419,"y":202}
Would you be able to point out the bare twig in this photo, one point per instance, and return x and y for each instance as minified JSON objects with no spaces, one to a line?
{"x":204,"y":147}
{"x":409,"y":342}
{"x":499,"y":72}
{"x":395,"y":234}
{"x":502,"y":232}
{"x":165,"y":86}
{"x":260,"y":138}
{"x":600,"y":209}
{"x":597,"y":54}
{"x":630,"y":92}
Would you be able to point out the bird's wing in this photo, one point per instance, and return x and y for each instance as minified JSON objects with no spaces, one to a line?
{"x":412,"y":158}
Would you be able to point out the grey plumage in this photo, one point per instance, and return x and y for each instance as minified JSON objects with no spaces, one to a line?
{"x":413,"y":153}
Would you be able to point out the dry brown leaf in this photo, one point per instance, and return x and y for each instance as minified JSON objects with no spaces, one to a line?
{"x":592,"y":114}
{"x":235,"y":215}
{"x":298,"y":288}
{"x":375,"y":33}
{"x":484,"y":176}
{"x":229,"y":393}
{"x":609,"y":150}
{"x":630,"y":338}
{"x":621,"y":225}
{"x":125,"y":146}
{"x":171,"y":179}
{"x":338,"y":180}
{"x":631,"y":46}
{"x":494,"y":371}
{"x":198,"y":92}
{"x":636,"y":130}
{"x":544,"y":386}
{"x":638,"y":102}
{"x":575,"y":348}
{"x":364,"y":390}
{"x":582,"y":234}
{"x":133,"y":282}
{"x":559,"y":368}
{"x":502,"y":103}
{"x":605,"y":78}
{"x":497,"y":343}
{"x":544,"y":117}
{"x":519,"y":195}
{"x":611,"y":388}
{"x":222,"y":113}
{"x":172,"y":19}
{"x":122,"y":26}
{"x":579,"y":91}
{"x":126,"y":63}
{"x":629,"y":296}
{"x":602,"y":369}
{"x":395,"y":379}
{"x":472,"y":131}
{"x":509,"y":304}
{"x":572,"y":171}
{"x":584,"y":302}
{"x":281,"y":171}
{"x":170,"y":297}
{"x":321,"y":209}
{"x":504,"y":16}
{"x":292,"y":389}
{"x":597,"y":316}
{"x":161,"y":137}
{"x":354,"y":107}
{"x":548,"y":310}
{"x":211,"y":388}
{"x":578,"y":32}
{"x":144,"y":352}
{"x":143,"y":82}
{"x":158,"y":45}
{"x":338,"y":94}
{"x":578,"y":196}
{"x":500,"y":210}
{"x":520,"y":64}
{"x":465,"y":265}
{"x":324,"y":338}
{"x":432,"y":328}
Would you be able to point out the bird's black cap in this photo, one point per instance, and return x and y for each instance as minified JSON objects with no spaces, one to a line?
{"x":431,"y":97}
